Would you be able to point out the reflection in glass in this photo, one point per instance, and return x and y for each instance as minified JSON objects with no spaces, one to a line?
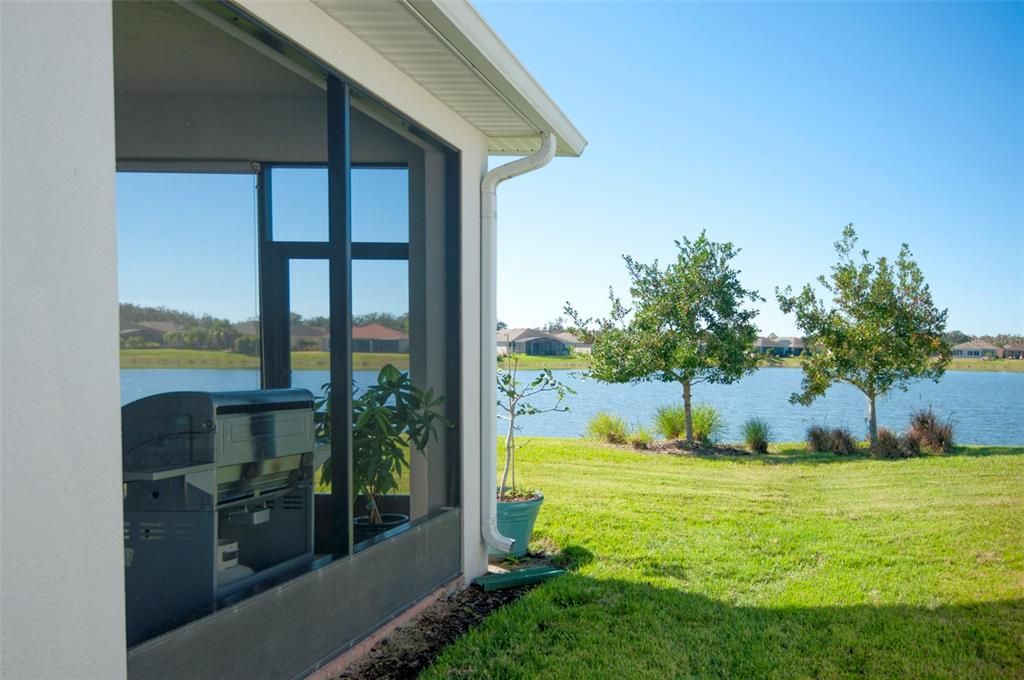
{"x":380,"y":204}
{"x":299,"y":203}
{"x":383,"y":468}
{"x":187,"y":282}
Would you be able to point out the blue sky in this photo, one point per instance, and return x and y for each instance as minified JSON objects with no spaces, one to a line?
{"x":772,"y":126}
{"x":188,"y":241}
{"x":769,"y":125}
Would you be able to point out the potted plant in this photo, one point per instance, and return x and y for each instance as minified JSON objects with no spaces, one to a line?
{"x":518,"y":508}
{"x":388,"y":418}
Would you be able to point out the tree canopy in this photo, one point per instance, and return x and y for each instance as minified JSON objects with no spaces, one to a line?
{"x":687,"y":323}
{"x":880,"y":330}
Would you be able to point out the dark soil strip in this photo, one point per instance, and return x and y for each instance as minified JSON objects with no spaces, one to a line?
{"x":413,"y":647}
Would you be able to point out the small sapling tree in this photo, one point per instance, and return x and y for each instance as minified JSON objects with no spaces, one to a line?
{"x":515,"y":403}
{"x":881,"y":330}
{"x":686,"y":323}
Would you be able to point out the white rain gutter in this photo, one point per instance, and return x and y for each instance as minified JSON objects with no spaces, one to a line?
{"x":488,"y":316}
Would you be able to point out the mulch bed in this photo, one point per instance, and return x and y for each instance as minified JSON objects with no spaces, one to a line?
{"x":413,"y":647}
{"x":679,"y":447}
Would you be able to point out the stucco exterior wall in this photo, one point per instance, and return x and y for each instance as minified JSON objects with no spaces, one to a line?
{"x":61,"y":545}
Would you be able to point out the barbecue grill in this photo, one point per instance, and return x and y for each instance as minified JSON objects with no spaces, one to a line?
{"x":218,"y":500}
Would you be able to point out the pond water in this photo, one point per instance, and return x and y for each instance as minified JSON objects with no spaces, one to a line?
{"x":986,"y":408}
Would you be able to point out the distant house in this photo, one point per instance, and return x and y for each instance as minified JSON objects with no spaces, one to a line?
{"x":149,"y":331}
{"x":574,"y":342}
{"x":781,"y":347}
{"x":1013,"y":351}
{"x":248,"y":328}
{"x":533,"y":342}
{"x":370,"y":338}
{"x":977,"y":349}
{"x":305,"y":337}
{"x":377,"y":338}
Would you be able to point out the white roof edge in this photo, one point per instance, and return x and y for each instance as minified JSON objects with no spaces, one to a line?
{"x":462,"y":26}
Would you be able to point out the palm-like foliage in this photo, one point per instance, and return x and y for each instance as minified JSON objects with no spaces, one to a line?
{"x":388,"y":418}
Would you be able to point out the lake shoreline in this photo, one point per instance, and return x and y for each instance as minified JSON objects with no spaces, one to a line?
{"x":984,"y":406}
{"x":320,"y":361}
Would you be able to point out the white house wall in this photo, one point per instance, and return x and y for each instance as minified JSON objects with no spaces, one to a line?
{"x":61,"y":584}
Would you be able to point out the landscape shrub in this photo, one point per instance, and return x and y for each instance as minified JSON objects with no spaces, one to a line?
{"x":817,"y":439}
{"x":931,"y":432}
{"x":247,"y":344}
{"x":640,"y":437}
{"x":757,"y":433}
{"x":888,"y":444}
{"x":892,"y":445}
{"x":708,"y":424}
{"x":911,"y":444}
{"x":841,"y":442}
{"x":608,"y":428}
{"x":837,"y":440}
{"x":670,"y":421}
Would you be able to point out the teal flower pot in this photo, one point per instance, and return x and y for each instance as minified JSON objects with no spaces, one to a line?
{"x":516,"y":520}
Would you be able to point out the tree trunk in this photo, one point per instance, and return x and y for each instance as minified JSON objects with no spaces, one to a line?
{"x":689,"y":412}
{"x":510,"y":447}
{"x":872,"y":421}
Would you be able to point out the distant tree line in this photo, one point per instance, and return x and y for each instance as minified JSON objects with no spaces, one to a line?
{"x":209,"y":332}
{"x":130,"y":313}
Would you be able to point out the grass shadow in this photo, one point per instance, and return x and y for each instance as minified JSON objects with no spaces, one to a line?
{"x":580,"y":626}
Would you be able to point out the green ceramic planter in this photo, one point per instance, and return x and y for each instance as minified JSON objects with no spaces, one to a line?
{"x":516,"y":520}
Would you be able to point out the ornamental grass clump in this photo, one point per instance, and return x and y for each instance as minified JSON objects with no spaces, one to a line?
{"x":931,"y":432}
{"x":817,"y":439}
{"x":608,"y":427}
{"x":757,"y":434}
{"x":841,"y":442}
{"x":708,"y":425}
{"x":640,"y":437}
{"x":837,"y":440}
{"x":670,"y":421}
{"x":892,"y":445}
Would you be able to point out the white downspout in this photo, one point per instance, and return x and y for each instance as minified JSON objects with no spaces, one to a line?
{"x":489,"y":319}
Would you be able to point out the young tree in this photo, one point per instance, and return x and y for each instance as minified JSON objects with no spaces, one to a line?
{"x":882,"y":330}
{"x":515,"y":402}
{"x":686,"y":324}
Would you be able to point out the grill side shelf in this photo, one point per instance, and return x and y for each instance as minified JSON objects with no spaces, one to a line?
{"x":156,"y":474}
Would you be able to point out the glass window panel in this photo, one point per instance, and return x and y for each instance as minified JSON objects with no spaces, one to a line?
{"x":380,"y":337}
{"x":380,"y":204}
{"x":299,"y":203}
{"x":310,"y":341}
{"x":187,"y":283}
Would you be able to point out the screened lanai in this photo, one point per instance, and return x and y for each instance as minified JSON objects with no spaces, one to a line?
{"x":204,"y":93}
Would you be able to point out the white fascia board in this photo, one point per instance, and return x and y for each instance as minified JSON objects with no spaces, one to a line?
{"x":466,"y":31}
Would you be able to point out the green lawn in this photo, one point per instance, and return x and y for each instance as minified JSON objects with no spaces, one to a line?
{"x":199,"y":358}
{"x":529,"y":363}
{"x":1011,"y":365}
{"x":786,"y":565}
